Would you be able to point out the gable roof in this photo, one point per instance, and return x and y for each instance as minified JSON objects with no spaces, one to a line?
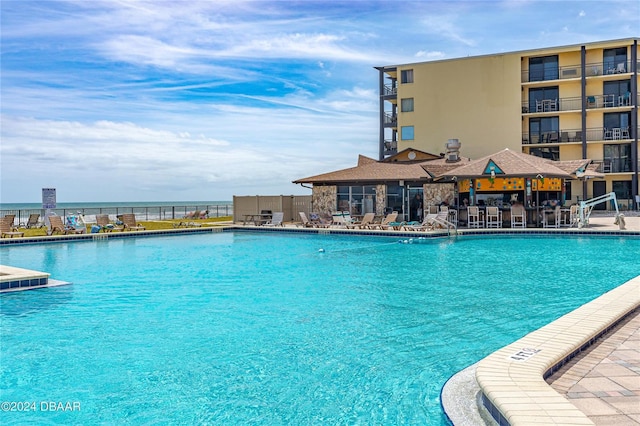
{"x":509,"y":163}
{"x":410,"y":154}
{"x":505,"y":163}
{"x":370,"y":170}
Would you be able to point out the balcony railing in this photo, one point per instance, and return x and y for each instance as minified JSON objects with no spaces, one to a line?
{"x":575,"y":71}
{"x":390,"y":147}
{"x":609,"y":101}
{"x":389,"y":90}
{"x":575,"y":135}
{"x":614,"y":165}
{"x":390,"y":119}
{"x":575,"y":103}
{"x":552,"y":105}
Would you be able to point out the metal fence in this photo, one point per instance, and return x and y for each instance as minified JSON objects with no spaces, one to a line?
{"x":142,"y":213}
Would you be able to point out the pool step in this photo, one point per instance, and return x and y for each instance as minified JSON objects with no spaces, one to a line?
{"x":18,"y":279}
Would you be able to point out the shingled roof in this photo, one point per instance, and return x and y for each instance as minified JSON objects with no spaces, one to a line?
{"x":516,"y":164}
{"x":509,"y":163}
{"x":370,"y":170}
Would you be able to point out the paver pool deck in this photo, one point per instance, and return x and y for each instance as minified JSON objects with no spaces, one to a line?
{"x":604,"y":381}
{"x":598,"y":385}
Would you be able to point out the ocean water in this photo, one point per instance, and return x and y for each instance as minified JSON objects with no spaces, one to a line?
{"x":106,"y":205}
{"x":144,"y":210}
{"x":280,"y":329}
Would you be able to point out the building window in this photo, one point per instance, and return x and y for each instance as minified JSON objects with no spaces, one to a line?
{"x":407,"y":133}
{"x":617,"y":158}
{"x":395,"y":197}
{"x":544,"y":68}
{"x":357,"y":199}
{"x":616,"y":125}
{"x":406,"y":76}
{"x":544,"y":129}
{"x":567,"y":190}
{"x":614,"y":60}
{"x":617,"y":93}
{"x":536,"y":96}
{"x":622,"y":188}
{"x":406,"y":105}
{"x":550,"y":153}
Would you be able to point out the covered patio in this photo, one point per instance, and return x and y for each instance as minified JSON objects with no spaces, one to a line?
{"x":382,"y":186}
{"x":507,"y":178}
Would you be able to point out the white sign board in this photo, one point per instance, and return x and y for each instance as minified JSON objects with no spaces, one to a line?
{"x":48,"y":198}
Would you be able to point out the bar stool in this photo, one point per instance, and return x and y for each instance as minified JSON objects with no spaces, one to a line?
{"x":474,"y":219}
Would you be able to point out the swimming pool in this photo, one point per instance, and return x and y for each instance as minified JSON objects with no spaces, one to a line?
{"x":251,"y":328}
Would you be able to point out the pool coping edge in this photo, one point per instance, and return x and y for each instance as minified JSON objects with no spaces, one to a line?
{"x":512,"y":379}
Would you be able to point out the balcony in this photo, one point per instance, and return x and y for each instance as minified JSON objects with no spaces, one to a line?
{"x":575,"y":103}
{"x":552,"y":105}
{"x":390,"y":147}
{"x":608,"y":68}
{"x":575,"y":71}
{"x":609,"y":101}
{"x":575,"y":135}
{"x":390,"y":120}
{"x":389,"y":90}
{"x":614,"y":165}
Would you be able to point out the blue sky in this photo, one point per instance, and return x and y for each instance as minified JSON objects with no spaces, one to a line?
{"x":202,"y":100}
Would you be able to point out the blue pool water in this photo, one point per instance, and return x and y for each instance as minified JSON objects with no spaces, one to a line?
{"x":243,"y":328}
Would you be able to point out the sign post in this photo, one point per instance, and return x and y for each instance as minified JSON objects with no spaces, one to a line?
{"x":48,"y":204}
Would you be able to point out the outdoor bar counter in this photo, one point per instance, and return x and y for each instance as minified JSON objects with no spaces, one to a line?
{"x":534,"y":215}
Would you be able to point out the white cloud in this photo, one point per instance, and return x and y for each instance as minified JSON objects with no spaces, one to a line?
{"x":445,"y":26}
{"x":429,"y":56}
{"x":146,"y":100}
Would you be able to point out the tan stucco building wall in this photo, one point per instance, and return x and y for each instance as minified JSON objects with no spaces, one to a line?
{"x":471,"y":99}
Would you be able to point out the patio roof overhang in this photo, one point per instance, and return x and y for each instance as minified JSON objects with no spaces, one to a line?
{"x":372,"y":171}
{"x":511,"y":164}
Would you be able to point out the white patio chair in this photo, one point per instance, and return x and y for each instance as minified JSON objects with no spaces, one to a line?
{"x":494,"y":217}
{"x":518,"y":216}
{"x":551,"y":218}
{"x":474,"y":219}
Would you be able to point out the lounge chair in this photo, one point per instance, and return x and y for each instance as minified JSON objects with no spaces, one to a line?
{"x":338,"y":219}
{"x":32,"y":222}
{"x":440,"y":220}
{"x":58,"y":226}
{"x":103,"y":221}
{"x":305,"y":220}
{"x":192,"y":215}
{"x":316,"y":221}
{"x":187,"y":224}
{"x":276,"y":219}
{"x":348,"y":220}
{"x":129,"y":221}
{"x":7,"y":229}
{"x":427,"y":223}
{"x":386,"y":222}
{"x":367,"y":219}
{"x":10,"y":219}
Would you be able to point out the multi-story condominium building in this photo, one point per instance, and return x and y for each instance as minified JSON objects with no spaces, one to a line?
{"x":562,"y":103}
